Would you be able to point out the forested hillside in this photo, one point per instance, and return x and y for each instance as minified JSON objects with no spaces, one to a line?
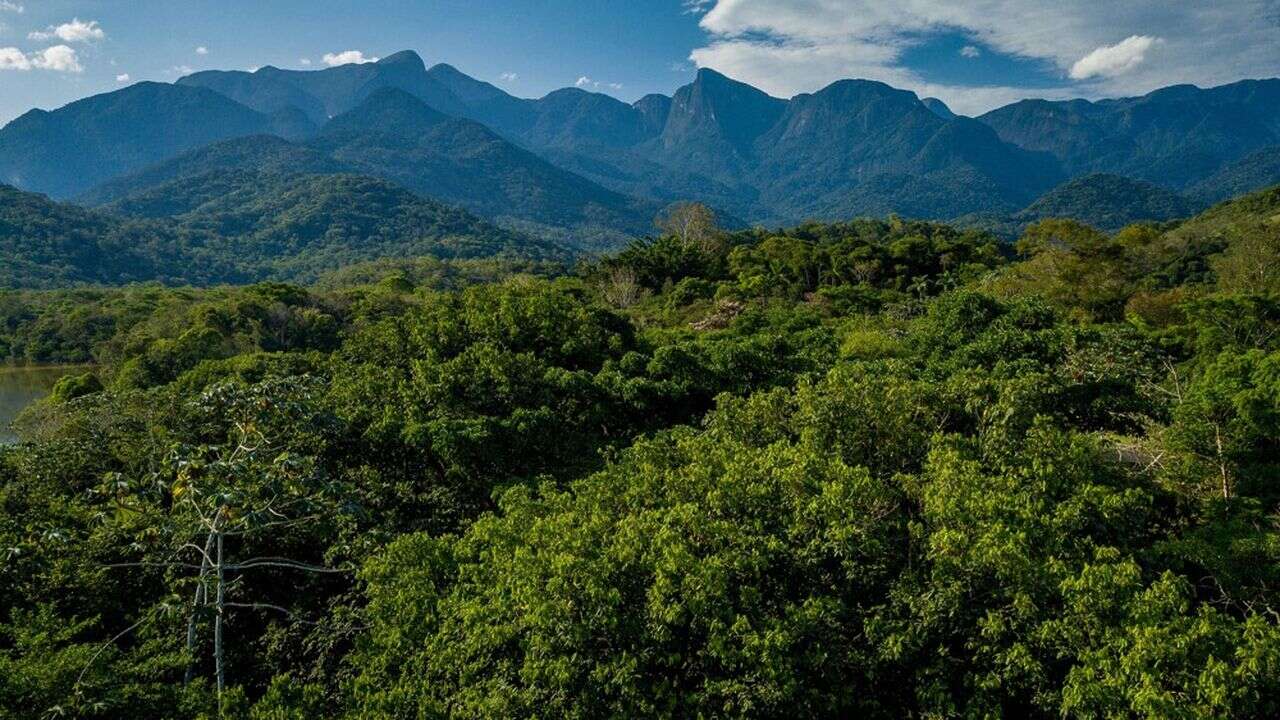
{"x":1259,"y":170}
{"x":231,"y":226}
{"x":879,"y":468}
{"x":397,"y":137}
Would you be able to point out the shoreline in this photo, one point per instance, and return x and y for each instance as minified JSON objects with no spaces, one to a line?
{"x":45,"y":366}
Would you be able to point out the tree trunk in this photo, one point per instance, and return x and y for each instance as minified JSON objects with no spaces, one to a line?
{"x":202,"y":596}
{"x":219,"y":667}
{"x":1222,"y":463}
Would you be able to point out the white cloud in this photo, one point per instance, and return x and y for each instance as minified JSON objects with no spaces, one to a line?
{"x":695,"y":7}
{"x":304,"y":61}
{"x":181,"y":70}
{"x":586,"y":82}
{"x":347,"y":57}
{"x":123,"y":78}
{"x":75,"y":31}
{"x":970,"y":51}
{"x":1113,"y":60}
{"x":202,"y":50}
{"x":509,"y":77}
{"x":792,"y":46}
{"x":13,"y":7}
{"x":11,"y":58}
{"x":59,"y":58}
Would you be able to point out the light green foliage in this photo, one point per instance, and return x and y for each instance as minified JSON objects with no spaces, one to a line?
{"x":71,"y":387}
{"x":1146,"y":652}
{"x":650,"y":589}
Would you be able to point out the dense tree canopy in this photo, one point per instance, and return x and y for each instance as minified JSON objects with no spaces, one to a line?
{"x":872,"y":469}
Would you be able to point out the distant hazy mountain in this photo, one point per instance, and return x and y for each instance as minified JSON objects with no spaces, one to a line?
{"x":854,"y":147}
{"x":859,"y":144}
{"x":66,"y":151}
{"x":1174,"y":137}
{"x":396,"y":136}
{"x":589,"y":169}
{"x":713,"y":124}
{"x":323,"y":94}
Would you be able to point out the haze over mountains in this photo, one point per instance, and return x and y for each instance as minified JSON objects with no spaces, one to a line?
{"x":587,"y":170}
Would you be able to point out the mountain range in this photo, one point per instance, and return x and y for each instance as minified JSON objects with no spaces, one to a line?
{"x":589,"y":171}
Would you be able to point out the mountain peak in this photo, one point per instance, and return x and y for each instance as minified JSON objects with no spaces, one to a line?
{"x":938,"y":107}
{"x":446,"y":69}
{"x":467,"y":89}
{"x":716,"y":105}
{"x":707,"y":77}
{"x":567,"y":92}
{"x":653,"y":109}
{"x":387,"y":110}
{"x":715,"y":86}
{"x":863,"y":91}
{"x":406,"y":58}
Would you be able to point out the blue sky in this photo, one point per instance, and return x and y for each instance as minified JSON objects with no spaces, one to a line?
{"x":975,"y":54}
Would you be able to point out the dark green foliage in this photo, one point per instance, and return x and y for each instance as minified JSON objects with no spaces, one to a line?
{"x":236,"y":226}
{"x":45,"y":244}
{"x":1252,"y":173}
{"x":296,"y":226}
{"x":875,"y":469}
{"x":263,"y":153}
{"x":1109,"y":202}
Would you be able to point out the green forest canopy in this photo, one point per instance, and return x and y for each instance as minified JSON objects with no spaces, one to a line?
{"x":871,"y":469}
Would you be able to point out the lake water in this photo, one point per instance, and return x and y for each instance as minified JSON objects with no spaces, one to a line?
{"x":21,"y":386}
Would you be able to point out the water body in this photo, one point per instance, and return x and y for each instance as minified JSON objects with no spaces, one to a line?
{"x":21,"y":386}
